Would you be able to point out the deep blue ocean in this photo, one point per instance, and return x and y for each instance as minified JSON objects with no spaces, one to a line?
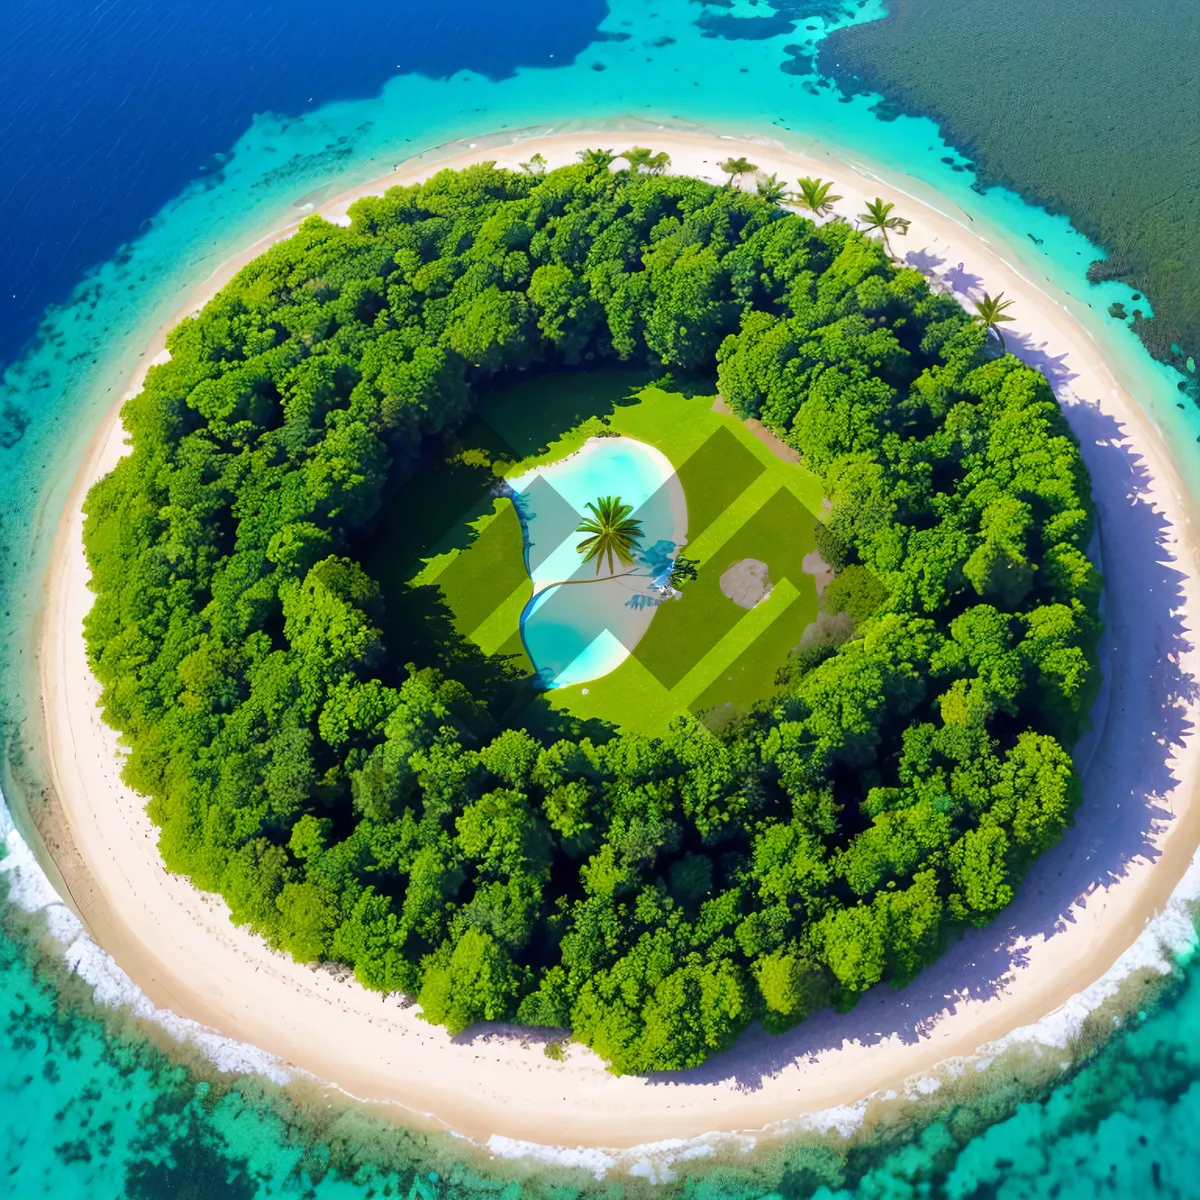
{"x":142,"y":141}
{"x":111,"y":108}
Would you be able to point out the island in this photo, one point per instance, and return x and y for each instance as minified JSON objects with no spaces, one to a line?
{"x":809,"y":721}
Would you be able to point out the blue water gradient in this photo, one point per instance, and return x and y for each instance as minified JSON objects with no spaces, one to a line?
{"x":110,"y":116}
{"x":114,"y":107}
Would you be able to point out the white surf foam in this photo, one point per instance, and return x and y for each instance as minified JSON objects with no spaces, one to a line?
{"x":31,"y":891}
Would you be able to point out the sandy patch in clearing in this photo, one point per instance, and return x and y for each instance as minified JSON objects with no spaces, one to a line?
{"x":746,"y":583}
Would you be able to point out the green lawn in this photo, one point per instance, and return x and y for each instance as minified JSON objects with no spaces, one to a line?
{"x":702,"y":652}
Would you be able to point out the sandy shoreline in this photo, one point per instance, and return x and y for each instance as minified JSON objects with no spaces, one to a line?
{"x":179,"y":946}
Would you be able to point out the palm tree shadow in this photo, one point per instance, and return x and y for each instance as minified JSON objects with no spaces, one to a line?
{"x":925,"y":261}
{"x":962,"y":282}
{"x":956,"y":281}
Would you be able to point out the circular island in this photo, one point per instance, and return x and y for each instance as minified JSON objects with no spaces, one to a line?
{"x":315,"y":576}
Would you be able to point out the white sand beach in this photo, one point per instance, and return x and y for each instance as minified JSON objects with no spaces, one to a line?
{"x":1080,"y":908}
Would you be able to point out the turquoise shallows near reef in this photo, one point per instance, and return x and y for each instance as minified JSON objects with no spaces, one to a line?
{"x":86,"y":1113}
{"x":577,"y":631}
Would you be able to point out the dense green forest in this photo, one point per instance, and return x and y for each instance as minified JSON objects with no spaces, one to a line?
{"x":653,"y":895}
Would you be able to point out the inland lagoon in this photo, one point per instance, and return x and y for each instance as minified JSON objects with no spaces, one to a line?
{"x":580,"y":624}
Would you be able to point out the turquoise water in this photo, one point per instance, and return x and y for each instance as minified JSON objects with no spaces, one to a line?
{"x":88,"y":1107}
{"x":579,"y":630}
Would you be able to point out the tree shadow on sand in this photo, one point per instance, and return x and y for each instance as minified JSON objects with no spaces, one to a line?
{"x":1054,"y":367}
{"x":1139,"y":721}
{"x":957,"y":279}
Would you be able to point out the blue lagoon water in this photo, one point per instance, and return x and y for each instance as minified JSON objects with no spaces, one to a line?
{"x":142,"y":143}
{"x":581,"y":623}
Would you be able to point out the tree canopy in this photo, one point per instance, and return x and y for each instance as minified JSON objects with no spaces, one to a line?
{"x":653,"y":895}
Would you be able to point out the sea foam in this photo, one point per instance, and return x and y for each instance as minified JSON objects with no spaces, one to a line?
{"x":31,"y":891}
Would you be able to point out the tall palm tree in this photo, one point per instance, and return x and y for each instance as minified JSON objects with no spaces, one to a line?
{"x":611,"y":533}
{"x":878,"y":217}
{"x":772,"y":188}
{"x":735,"y":168}
{"x":815,"y":195}
{"x":595,"y":158}
{"x":989,"y":312}
{"x":639,"y":156}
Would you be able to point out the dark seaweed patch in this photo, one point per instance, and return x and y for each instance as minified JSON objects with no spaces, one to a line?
{"x":1016,"y":95}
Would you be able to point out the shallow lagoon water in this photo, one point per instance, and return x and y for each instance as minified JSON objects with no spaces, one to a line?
{"x":83,"y":1113}
{"x":581,"y":622}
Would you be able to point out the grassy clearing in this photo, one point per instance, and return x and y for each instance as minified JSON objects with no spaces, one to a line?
{"x":702,"y":652}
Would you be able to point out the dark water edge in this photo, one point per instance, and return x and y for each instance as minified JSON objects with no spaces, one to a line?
{"x":1091,"y":109}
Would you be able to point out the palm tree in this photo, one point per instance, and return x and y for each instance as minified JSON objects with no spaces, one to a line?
{"x":595,"y":158}
{"x":876,"y":217}
{"x":815,"y":196}
{"x":735,"y":168}
{"x":658,"y":163}
{"x":772,"y":188}
{"x":639,"y":156}
{"x":535,"y":166}
{"x":989,"y":312}
{"x":611,"y":532}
